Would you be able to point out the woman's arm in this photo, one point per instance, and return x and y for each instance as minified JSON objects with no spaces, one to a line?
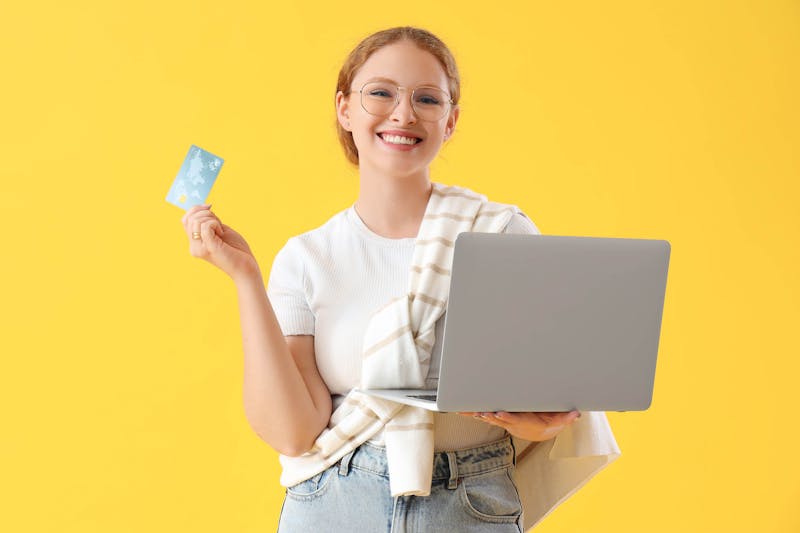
{"x":286,"y":401}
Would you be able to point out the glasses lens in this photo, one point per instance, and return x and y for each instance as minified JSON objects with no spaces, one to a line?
{"x":431,"y":103}
{"x":378,"y":98}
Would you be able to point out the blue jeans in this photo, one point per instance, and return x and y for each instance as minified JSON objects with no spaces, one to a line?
{"x":472,"y":491}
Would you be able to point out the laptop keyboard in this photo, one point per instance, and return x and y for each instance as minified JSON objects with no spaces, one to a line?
{"x":431,"y":397}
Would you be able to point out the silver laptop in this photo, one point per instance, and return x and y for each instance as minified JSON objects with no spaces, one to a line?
{"x":547,"y":323}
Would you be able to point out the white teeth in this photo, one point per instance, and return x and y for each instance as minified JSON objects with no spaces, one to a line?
{"x":397,"y":139}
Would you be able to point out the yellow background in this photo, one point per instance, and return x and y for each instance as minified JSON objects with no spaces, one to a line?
{"x":121,"y":368}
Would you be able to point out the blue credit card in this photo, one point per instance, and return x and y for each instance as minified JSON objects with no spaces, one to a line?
{"x":195,"y":178}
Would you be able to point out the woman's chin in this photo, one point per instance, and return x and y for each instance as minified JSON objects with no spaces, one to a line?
{"x":392,"y":165}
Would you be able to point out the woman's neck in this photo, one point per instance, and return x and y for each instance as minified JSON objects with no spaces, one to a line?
{"x":392,"y":206}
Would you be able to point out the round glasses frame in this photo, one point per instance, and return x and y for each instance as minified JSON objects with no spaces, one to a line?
{"x":448,"y":100}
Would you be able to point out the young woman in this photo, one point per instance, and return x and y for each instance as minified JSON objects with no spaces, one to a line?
{"x":353,"y":463}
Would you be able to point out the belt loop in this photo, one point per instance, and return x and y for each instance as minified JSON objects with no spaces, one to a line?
{"x":452,"y":465}
{"x":344,"y":463}
{"x":513,"y":451}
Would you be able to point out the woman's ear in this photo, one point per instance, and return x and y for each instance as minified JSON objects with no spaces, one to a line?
{"x":451,"y":123}
{"x":343,"y":110}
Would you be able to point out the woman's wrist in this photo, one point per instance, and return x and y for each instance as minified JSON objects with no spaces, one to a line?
{"x":247,"y":276}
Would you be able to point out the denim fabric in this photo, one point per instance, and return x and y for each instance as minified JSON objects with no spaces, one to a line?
{"x":472,"y":491}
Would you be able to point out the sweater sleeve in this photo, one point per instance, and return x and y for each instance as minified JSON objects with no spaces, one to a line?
{"x":520,"y":224}
{"x":286,"y":290}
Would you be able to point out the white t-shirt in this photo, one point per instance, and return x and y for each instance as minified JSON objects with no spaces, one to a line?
{"x":327,"y":282}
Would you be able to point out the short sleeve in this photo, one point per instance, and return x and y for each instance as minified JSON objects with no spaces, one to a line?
{"x":287,"y":294}
{"x":520,"y":224}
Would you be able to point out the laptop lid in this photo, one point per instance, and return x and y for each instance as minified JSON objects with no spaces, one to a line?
{"x":552,"y":323}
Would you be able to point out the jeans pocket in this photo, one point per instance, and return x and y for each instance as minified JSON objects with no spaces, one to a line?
{"x":491,"y":497}
{"x":312,"y":487}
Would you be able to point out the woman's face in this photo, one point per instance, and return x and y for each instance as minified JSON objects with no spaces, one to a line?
{"x":405,"y":65}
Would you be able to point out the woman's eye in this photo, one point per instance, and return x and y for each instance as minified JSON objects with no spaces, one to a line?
{"x":428,"y":100}
{"x":380,"y":93}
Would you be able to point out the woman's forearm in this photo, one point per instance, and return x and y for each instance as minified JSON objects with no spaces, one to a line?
{"x":277,"y":402}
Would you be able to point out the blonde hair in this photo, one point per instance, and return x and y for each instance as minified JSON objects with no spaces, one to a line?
{"x":359,"y":55}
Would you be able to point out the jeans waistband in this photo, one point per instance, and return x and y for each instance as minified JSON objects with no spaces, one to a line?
{"x":448,"y":465}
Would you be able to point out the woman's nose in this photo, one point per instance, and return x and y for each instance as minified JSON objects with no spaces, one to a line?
{"x":404,"y":112}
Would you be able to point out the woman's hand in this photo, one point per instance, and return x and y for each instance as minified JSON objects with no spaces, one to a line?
{"x":534,"y":427}
{"x":218,"y":244}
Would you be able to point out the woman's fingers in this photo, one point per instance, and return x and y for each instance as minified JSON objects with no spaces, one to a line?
{"x":191,"y":212}
{"x":209,"y":236}
{"x":536,"y":419}
{"x":531,"y":426}
{"x":201,"y":218}
{"x":491,"y":418}
{"x":191,"y":216}
{"x":194,"y":218}
{"x":494,"y":418}
{"x":566,"y":418}
{"x":194,"y":225}
{"x":512,"y":418}
{"x":209,"y":230}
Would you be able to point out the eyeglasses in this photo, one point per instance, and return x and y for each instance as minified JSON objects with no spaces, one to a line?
{"x":381,"y":98}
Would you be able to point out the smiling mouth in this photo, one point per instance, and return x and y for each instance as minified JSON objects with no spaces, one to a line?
{"x":399,"y":139}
